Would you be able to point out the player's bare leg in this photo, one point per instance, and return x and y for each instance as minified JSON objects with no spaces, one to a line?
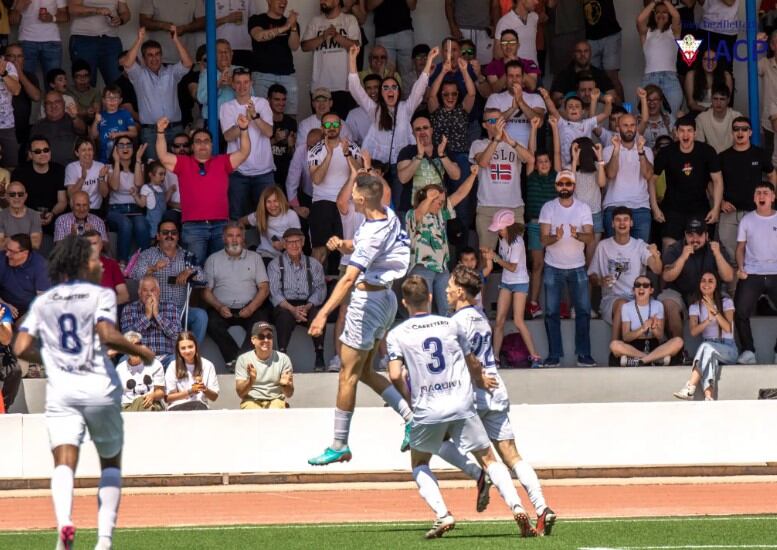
{"x":108,"y":498}
{"x":429,"y":490}
{"x":65,"y":462}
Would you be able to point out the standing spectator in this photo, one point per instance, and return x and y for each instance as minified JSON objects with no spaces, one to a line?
{"x":111,"y":123}
{"x":236,"y":292}
{"x":271,"y":219}
{"x":225,"y":69}
{"x":284,"y":137}
{"x":274,"y":38}
{"x":158,"y":321}
{"x":231,"y":18}
{"x":297,"y":290}
{"x":655,"y":120}
{"x":156,"y":85}
{"x":629,"y":172}
{"x":129,"y":97}
{"x":757,"y":265}
{"x":359,"y":120}
{"x":87,"y":174}
{"x":659,"y":25}
{"x":191,"y":382}
{"x":126,"y":203}
{"x":12,"y":372}
{"x":79,"y":220}
{"x":330,"y":36}
{"x":517,"y":108}
{"x":500,"y":159}
{"x":39,"y":34}
{"x":255,"y":173}
{"x":22,"y":103}
{"x":18,"y":218}
{"x":322,"y":104}
{"x":203,"y":181}
{"x":23,"y":275}
{"x":112,"y":277}
{"x":471,"y":20}
{"x":452,"y":53}
{"x":566,"y":226}
{"x":568,"y":29}
{"x":523,"y":20}
{"x":93,"y":35}
{"x":713,"y":126}
{"x":157,"y":194}
{"x":705,"y":76}
{"x":742,"y":167}
{"x":9,"y":87}
{"x":566,"y":79}
{"x":767,"y":71}
{"x":420,"y":53}
{"x":495,"y":70}
{"x":163,"y":19}
{"x":270,"y":384}
{"x":59,"y":127}
{"x":718,"y":24}
{"x":394,"y":30}
{"x":143,"y":385}
{"x":604,"y":36}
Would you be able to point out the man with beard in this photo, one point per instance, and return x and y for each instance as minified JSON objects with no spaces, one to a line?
{"x":629,"y":178}
{"x":684,"y":263}
{"x":237,"y":292}
{"x":284,"y":137}
{"x":689,"y":167}
{"x":566,"y":226}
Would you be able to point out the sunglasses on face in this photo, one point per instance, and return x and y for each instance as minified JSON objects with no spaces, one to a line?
{"x":468,"y":51}
{"x":741,"y":128}
{"x":565,"y":184}
{"x":332,"y":124}
{"x":14,"y":194}
{"x":241,"y":70}
{"x":390,"y":87}
{"x":642,"y":285}
{"x":168,"y":232}
{"x":124,"y":146}
{"x":180,"y":145}
{"x":40,"y":151}
{"x":509,"y":42}
{"x":264,"y":336}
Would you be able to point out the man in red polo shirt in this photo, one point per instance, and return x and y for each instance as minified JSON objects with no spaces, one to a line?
{"x":203,"y":182}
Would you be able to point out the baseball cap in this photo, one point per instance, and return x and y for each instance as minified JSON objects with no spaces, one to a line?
{"x":322,"y":92}
{"x":502,"y":219}
{"x":565,"y":175}
{"x":696,"y":225}
{"x":292,"y":232}
{"x":260,"y":327}
{"x":420,"y":49}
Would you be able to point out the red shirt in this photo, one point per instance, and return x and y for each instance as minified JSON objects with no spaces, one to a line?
{"x":203,"y":197}
{"x":112,"y":276}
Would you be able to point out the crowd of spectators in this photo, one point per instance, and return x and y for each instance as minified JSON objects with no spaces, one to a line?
{"x":512,"y":146}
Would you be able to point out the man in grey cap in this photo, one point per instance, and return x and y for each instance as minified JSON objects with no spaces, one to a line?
{"x":297,"y":290}
{"x":263,"y":377}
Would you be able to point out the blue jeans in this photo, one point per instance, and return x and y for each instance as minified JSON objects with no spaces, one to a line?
{"x":244,"y":192}
{"x":437,"y":283}
{"x":198,"y":323}
{"x":48,"y":54}
{"x":203,"y":239}
{"x":576,"y":280}
{"x":399,"y":46}
{"x":642,"y":218}
{"x":101,"y":52}
{"x":128,"y":228}
{"x":670,"y":85}
{"x":263,"y":81}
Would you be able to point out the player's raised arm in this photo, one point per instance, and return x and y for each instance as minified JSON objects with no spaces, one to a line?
{"x":115,"y":340}
{"x":24,"y":348}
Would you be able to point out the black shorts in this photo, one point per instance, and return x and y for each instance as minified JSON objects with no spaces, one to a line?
{"x":324,"y":222}
{"x":674,"y":226}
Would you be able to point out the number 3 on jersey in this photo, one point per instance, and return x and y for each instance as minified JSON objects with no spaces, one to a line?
{"x":434,"y":347}
{"x":68,"y":339}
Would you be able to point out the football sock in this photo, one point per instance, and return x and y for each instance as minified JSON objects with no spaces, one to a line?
{"x":108,"y":497}
{"x":395,"y":400}
{"x":451,"y":454}
{"x":528,"y":478}
{"x":62,"y":494}
{"x":342,"y":428}
{"x":500,"y":477}
{"x":429,"y":490}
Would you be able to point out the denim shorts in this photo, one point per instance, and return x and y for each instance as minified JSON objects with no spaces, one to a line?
{"x":515,"y":287}
{"x":533,"y":236}
{"x":598,"y":218}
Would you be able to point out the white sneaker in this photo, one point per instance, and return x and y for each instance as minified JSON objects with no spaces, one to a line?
{"x":686,"y":394}
{"x":334,"y":364}
{"x":747,"y":357}
{"x":440,"y":527}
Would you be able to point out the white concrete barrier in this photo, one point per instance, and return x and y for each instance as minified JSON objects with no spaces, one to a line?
{"x":728,"y":433}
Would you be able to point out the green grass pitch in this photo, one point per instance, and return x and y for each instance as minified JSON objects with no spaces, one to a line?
{"x":654,"y":534}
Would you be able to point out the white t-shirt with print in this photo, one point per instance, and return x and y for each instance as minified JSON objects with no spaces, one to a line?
{"x":625,"y":262}
{"x":91,"y":184}
{"x":336,"y":175}
{"x":330,"y":59}
{"x":500,"y":183}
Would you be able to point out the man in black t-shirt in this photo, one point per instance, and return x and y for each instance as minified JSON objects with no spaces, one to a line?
{"x":604,"y":35}
{"x":690,"y":166}
{"x":743,"y":166}
{"x":284,"y":137}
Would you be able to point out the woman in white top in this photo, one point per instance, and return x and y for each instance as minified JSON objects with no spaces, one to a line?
{"x":191,"y":380}
{"x":514,"y":285}
{"x":707,"y":74}
{"x":272,"y":218}
{"x":642,"y":328}
{"x":126,"y":203}
{"x":659,"y":25}
{"x":390,"y":130}
{"x":712,"y":317}
{"x":87,"y":174}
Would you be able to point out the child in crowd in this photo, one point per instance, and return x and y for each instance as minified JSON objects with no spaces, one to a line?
{"x":111,"y":123}
{"x":56,"y":80}
{"x":590,"y":178}
{"x":468,"y":257}
{"x":156,"y":195}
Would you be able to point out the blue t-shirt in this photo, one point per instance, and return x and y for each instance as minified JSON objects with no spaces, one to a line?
{"x":19,"y":285}
{"x":120,"y":121}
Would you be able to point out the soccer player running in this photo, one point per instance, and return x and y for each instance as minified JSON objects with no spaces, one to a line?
{"x":441,"y":368}
{"x":75,"y":323}
{"x":380,"y":254}
{"x":493,"y":407}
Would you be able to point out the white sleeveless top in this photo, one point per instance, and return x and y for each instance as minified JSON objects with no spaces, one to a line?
{"x":660,"y":51}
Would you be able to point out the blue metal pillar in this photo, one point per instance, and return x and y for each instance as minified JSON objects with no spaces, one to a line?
{"x":213,"y":100}
{"x":754,"y":103}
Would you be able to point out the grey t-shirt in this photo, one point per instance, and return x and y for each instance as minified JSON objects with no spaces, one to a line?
{"x":11,"y":225}
{"x":268,"y":374}
{"x":234,"y":280}
{"x":470,"y":14}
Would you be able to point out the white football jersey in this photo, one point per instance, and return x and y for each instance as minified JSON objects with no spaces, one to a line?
{"x":471,"y":320}
{"x":63,"y":319}
{"x":433,"y":349}
{"x":381,"y":250}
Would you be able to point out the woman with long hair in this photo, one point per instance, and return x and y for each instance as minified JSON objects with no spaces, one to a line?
{"x":126,"y":204}
{"x":712,"y":316}
{"x":191,"y":380}
{"x":273,"y":216}
{"x":706,"y":75}
{"x":654,"y":120}
{"x":390,"y":130}
{"x":659,"y":25}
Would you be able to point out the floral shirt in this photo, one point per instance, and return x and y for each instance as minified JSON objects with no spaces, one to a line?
{"x":429,"y":239}
{"x":452,"y":124}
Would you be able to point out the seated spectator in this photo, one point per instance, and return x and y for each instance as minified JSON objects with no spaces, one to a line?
{"x":126,"y":202}
{"x":659,"y":25}
{"x":79,"y":220}
{"x":712,"y":317}
{"x":87,"y":174}
{"x":87,"y":96}
{"x":112,"y":277}
{"x":9,"y":87}
{"x":45,"y":180}
{"x":173,"y":267}
{"x":271,"y":219}
{"x":237,"y":292}
{"x":17,"y":218}
{"x":567,"y":79}
{"x":225,"y":70}
{"x":59,"y":127}
{"x":111,"y":123}
{"x":23,"y":275}
{"x":143,"y":385}
{"x":379,"y":64}
{"x":263,"y":377}
{"x":191,"y":381}
{"x":11,"y":371}
{"x":643,"y":329}
{"x":706,"y":75}
{"x":713,"y":126}
{"x":284,"y":137}
{"x":655,"y":119}
{"x":297,"y":290}
{"x":56,"y":80}
{"x":157,"y":321}
{"x":495,"y":71}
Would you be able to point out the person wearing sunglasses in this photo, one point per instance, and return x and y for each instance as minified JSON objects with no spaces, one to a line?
{"x":642,"y":327}
{"x":495,"y":70}
{"x":264,"y":378}
{"x":18,"y":218}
